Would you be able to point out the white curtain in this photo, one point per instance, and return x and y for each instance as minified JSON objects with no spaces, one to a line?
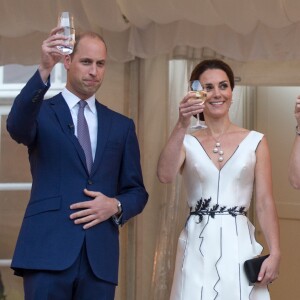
{"x":173,"y":206}
{"x":240,"y":30}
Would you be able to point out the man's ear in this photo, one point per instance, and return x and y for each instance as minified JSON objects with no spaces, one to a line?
{"x":67,"y":61}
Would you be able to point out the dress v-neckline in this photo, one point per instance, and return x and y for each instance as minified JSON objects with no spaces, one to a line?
{"x":229,"y":159}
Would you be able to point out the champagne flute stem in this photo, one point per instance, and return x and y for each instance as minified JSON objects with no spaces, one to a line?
{"x":198,"y":119}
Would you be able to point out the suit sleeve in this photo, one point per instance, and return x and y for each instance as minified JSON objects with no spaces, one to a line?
{"x":21,"y":121}
{"x":132,"y":193}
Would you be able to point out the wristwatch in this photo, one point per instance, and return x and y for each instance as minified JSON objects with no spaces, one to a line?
{"x":119,"y":206}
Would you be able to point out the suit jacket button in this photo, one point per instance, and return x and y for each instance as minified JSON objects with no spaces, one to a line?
{"x":90,"y":182}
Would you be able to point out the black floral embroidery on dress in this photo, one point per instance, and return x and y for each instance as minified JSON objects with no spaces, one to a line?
{"x":202,"y":208}
{"x":234,"y":211}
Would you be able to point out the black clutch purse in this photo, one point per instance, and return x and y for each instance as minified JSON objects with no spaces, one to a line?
{"x":252,"y":267}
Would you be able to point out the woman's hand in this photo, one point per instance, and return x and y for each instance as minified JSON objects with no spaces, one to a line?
{"x":297,"y":111}
{"x":269,"y":270}
{"x":189,"y":106}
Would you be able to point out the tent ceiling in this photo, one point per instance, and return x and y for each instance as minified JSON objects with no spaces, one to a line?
{"x":243,"y":30}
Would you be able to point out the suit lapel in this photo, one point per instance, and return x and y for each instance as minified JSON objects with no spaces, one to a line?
{"x":63,"y":114}
{"x":104,"y":124}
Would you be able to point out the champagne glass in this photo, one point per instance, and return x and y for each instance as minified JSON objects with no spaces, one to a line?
{"x":66,"y":20}
{"x":195,"y":85}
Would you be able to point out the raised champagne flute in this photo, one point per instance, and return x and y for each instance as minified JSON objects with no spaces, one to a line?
{"x":196,"y":86}
{"x":66,"y":20}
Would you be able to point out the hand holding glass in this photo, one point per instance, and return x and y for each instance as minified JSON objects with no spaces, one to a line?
{"x":200,"y":93}
{"x":66,"y":21}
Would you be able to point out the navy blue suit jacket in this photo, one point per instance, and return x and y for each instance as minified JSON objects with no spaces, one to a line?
{"x":49,"y":239}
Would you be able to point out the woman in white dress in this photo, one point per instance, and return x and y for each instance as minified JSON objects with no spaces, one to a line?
{"x":220,"y":166}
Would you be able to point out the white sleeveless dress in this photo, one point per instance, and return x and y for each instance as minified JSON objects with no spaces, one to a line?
{"x":218,"y":236}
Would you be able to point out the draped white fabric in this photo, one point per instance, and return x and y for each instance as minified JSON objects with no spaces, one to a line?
{"x":243,"y":30}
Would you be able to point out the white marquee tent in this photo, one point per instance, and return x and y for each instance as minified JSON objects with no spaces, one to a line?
{"x":243,"y":30}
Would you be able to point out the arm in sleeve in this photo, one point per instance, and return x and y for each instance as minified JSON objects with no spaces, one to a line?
{"x":21,"y":121}
{"x":132,"y":193}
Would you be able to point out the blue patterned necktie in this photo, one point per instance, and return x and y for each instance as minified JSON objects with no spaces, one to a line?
{"x":83,"y":135}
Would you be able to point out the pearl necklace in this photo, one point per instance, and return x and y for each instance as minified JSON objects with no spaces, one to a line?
{"x":218,"y":147}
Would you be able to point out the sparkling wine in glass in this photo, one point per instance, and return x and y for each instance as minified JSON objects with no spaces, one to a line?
{"x":66,"y":20}
{"x":200,"y":93}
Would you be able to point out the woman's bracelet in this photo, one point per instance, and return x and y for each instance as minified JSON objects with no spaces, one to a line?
{"x":297,"y":130}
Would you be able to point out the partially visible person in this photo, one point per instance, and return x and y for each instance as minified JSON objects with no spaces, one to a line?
{"x":220,"y":165}
{"x":294,"y":164}
{"x":86,"y":177}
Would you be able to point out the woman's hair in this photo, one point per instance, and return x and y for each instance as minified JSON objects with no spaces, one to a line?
{"x":210,"y":64}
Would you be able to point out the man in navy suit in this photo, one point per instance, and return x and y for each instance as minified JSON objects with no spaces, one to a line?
{"x":68,"y":246}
